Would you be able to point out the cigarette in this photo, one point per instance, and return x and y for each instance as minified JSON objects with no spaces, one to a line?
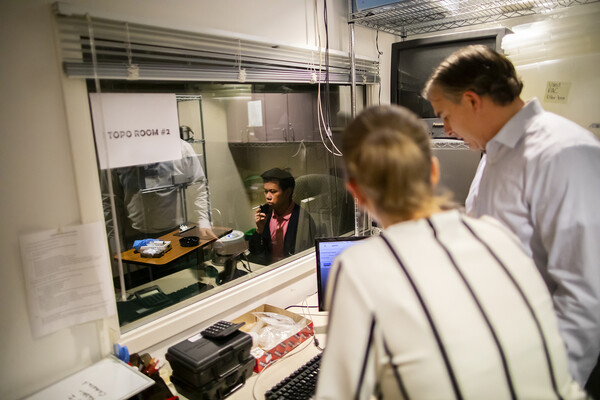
{"x":255,"y":208}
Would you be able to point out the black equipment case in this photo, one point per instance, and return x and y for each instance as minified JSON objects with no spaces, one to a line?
{"x":206,"y":368}
{"x":229,"y":383}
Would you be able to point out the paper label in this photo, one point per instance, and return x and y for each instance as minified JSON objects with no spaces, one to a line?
{"x":135,"y":128}
{"x":557,"y":92}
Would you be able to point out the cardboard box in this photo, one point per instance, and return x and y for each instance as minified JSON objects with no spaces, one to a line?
{"x":264,"y":357}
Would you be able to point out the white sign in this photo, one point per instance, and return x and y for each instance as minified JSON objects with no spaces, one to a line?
{"x":557,"y":92}
{"x":255,"y":113}
{"x":107,"y":379}
{"x":67,"y":277}
{"x":135,"y":128}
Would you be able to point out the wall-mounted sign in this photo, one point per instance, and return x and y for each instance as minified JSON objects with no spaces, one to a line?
{"x":557,"y":92}
{"x":66,"y":279}
{"x":135,"y":128}
{"x":255,"y":114}
{"x":109,"y":378}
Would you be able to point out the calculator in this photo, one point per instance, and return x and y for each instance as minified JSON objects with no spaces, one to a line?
{"x":221,"y":329}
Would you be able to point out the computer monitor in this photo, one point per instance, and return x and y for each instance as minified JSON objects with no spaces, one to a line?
{"x":326,"y":250}
{"x":412,"y":63}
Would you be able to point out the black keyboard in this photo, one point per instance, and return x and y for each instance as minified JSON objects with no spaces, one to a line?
{"x":153,"y":299}
{"x":189,"y":291}
{"x":300,"y":384}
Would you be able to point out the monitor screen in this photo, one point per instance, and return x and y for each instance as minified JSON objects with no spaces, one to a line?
{"x":326,"y":250}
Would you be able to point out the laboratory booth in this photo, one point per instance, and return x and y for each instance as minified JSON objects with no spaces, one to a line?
{"x":143,"y":141}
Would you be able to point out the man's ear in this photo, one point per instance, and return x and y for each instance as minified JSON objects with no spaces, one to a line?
{"x":472,"y":99}
{"x":289,"y":192}
{"x":355,"y":191}
{"x":435,"y":171}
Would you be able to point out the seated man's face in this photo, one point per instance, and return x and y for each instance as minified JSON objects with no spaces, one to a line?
{"x":278,"y":199}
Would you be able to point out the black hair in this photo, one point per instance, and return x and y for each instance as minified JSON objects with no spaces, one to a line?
{"x":283,"y":178}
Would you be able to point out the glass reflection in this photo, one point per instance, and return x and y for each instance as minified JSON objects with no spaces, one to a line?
{"x":151,"y":200}
{"x":231,"y":136}
{"x":283,"y":228}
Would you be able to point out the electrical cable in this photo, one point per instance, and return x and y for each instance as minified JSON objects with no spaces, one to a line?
{"x":327,"y":88}
{"x":379,"y":54}
{"x":297,"y":306}
{"x":327,"y":116}
{"x":320,"y":117}
{"x":307,"y":307}
{"x":316,"y":341}
{"x":301,"y":147}
{"x":247,"y":265}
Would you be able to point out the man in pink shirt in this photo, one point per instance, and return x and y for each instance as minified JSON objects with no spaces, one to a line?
{"x":285,"y":228}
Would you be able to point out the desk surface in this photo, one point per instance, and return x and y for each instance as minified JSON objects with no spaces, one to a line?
{"x":259,"y":383}
{"x":130,"y":256}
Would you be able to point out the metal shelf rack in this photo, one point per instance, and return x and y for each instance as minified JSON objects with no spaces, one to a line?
{"x":412,"y":17}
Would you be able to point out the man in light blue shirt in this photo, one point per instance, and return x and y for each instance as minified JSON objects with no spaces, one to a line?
{"x":539,"y":177}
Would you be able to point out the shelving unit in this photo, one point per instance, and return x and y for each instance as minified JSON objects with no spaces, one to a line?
{"x":448,"y":144}
{"x":412,"y":17}
{"x":271,"y":144}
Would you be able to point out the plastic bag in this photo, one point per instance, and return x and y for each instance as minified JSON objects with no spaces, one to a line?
{"x":272,"y":328}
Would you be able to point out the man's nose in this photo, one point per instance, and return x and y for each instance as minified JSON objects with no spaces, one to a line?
{"x":448,"y":129}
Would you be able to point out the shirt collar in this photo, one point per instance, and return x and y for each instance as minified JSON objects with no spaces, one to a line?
{"x":287,"y":215}
{"x":512,"y":132}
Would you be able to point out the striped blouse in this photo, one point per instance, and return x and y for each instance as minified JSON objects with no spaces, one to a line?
{"x":442,"y":308}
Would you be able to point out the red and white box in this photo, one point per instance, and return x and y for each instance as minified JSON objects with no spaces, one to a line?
{"x":265,"y":357}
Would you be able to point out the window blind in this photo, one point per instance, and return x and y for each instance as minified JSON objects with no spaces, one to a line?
{"x":125,"y":50}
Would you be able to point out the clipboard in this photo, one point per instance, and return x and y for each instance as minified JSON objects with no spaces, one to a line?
{"x":109,"y":378}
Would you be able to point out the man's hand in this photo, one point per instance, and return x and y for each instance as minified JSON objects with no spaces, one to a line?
{"x":207,"y":233}
{"x":260,"y":218}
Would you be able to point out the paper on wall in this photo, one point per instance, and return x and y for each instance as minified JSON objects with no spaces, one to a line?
{"x":107,"y":379}
{"x":135,"y":128}
{"x":67,"y":277}
{"x":255,"y":114}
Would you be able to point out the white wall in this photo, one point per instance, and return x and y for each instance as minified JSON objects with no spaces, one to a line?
{"x":39,"y":191}
{"x":566,"y":50}
{"x":47,"y":162}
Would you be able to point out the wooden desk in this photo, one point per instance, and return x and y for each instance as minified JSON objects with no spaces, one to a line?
{"x":177,"y":251}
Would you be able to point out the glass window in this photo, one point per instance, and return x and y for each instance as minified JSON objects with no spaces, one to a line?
{"x":243,"y":147}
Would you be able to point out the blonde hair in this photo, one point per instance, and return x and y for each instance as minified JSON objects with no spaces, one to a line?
{"x":387,"y":153}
